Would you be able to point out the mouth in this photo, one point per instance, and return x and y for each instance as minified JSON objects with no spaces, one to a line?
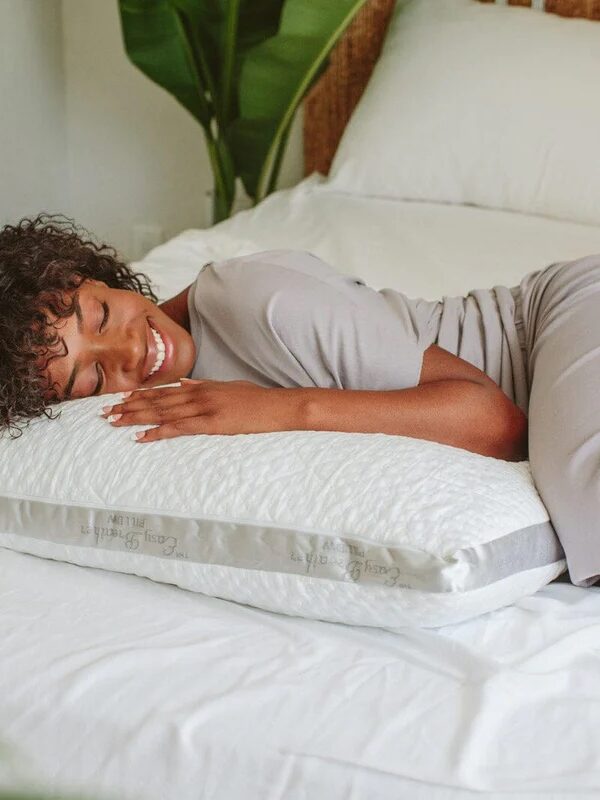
{"x":152,"y":353}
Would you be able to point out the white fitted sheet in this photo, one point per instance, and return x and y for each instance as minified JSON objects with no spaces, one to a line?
{"x":124,"y":688}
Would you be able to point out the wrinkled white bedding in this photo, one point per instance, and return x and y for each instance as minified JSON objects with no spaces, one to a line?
{"x":131,"y":689}
{"x":124,"y":688}
{"x":422,"y":249}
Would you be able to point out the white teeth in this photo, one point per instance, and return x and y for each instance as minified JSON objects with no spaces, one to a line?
{"x":160,"y":346}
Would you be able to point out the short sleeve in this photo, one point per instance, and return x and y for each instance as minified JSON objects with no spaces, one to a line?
{"x":346,"y":334}
{"x":293,"y":320}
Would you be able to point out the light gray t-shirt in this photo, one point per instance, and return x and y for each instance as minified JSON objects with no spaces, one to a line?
{"x":287,"y":318}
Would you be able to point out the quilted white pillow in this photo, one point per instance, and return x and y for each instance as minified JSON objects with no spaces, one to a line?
{"x":476,"y":103}
{"x":365,"y":529}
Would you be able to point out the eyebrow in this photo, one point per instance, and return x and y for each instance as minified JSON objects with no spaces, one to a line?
{"x":71,"y":381}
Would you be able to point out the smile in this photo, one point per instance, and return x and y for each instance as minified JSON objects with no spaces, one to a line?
{"x":160,"y":352}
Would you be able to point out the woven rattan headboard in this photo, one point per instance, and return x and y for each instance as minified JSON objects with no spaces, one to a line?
{"x":331,"y":101}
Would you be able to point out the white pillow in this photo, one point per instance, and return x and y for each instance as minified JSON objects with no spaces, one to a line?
{"x":476,"y":103}
{"x":365,"y":529}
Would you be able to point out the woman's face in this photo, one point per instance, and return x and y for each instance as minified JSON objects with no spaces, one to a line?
{"x":110,"y":347}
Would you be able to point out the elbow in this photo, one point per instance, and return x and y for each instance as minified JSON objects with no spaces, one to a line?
{"x":510,"y":439}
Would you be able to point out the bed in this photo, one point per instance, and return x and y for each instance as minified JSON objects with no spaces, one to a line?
{"x":114,"y":686}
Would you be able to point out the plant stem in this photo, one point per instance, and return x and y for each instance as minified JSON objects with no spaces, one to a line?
{"x":218,"y":151}
{"x":276,"y":168}
{"x":223,"y":190}
{"x":266,"y":174}
{"x":229,"y":53}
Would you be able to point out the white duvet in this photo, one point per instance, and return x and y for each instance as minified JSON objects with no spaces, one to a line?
{"x":124,"y":688}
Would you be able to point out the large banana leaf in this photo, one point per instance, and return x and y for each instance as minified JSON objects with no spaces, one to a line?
{"x":240,"y":67}
{"x":275,"y":77}
{"x":192,"y":49}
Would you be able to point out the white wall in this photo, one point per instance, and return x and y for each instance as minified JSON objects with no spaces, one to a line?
{"x":85,"y":133}
{"x":135,"y":156}
{"x":32,"y":126}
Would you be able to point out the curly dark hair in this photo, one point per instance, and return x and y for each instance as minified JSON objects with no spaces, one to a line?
{"x":40,"y":258}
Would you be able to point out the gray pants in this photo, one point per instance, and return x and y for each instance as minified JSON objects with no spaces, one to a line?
{"x":559,"y":322}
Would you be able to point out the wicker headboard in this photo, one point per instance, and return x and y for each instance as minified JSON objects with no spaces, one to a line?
{"x":332,"y":99}
{"x":330,"y":103}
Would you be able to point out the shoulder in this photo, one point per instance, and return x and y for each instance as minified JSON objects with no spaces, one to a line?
{"x":270,"y":275}
{"x":275,"y":263}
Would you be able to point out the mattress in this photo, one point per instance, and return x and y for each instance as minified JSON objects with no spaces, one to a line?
{"x":118,"y":687}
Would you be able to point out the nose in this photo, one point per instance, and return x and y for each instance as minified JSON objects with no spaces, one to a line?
{"x":121,"y":350}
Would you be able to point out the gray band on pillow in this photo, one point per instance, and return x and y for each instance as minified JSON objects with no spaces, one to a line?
{"x":285,"y":550}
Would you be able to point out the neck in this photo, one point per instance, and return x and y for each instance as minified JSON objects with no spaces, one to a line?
{"x":177,"y":308}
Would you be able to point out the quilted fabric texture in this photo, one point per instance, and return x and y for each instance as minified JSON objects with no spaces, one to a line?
{"x":366,"y":529}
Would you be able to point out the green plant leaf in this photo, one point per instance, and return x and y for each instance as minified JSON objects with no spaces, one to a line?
{"x":156,"y":41}
{"x":276,"y":74}
{"x":193,"y":49}
{"x":240,"y":67}
{"x":223,"y":31}
{"x":164,"y":42}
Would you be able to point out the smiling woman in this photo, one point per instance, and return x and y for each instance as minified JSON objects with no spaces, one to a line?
{"x":76,"y":321}
{"x":117,"y":340}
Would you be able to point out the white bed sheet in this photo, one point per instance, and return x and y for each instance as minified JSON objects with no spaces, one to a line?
{"x":123,"y":688}
{"x":128,"y":689}
{"x":422,"y":249}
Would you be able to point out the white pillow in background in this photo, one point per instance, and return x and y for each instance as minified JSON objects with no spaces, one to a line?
{"x":364,"y":529}
{"x":476,"y":103}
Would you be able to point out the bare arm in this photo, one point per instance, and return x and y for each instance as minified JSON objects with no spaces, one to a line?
{"x":455,"y":403}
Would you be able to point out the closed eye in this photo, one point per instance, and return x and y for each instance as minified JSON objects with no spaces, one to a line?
{"x":100,"y":381}
{"x":104,"y":318}
{"x":102,"y":325}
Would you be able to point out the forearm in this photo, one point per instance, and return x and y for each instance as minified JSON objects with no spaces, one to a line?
{"x":462,"y":413}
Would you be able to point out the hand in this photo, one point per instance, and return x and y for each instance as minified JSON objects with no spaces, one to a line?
{"x":210,"y":407}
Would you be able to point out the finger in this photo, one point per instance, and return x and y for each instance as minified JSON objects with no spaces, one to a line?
{"x":171,"y":395}
{"x":183,"y":427}
{"x":161,"y":403}
{"x":157,"y":391}
{"x":151,"y":415}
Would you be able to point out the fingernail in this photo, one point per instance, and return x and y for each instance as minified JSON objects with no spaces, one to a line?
{"x":126,"y":394}
{"x":138,"y":435}
{"x":106,"y":409}
{"x":114,"y":417}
